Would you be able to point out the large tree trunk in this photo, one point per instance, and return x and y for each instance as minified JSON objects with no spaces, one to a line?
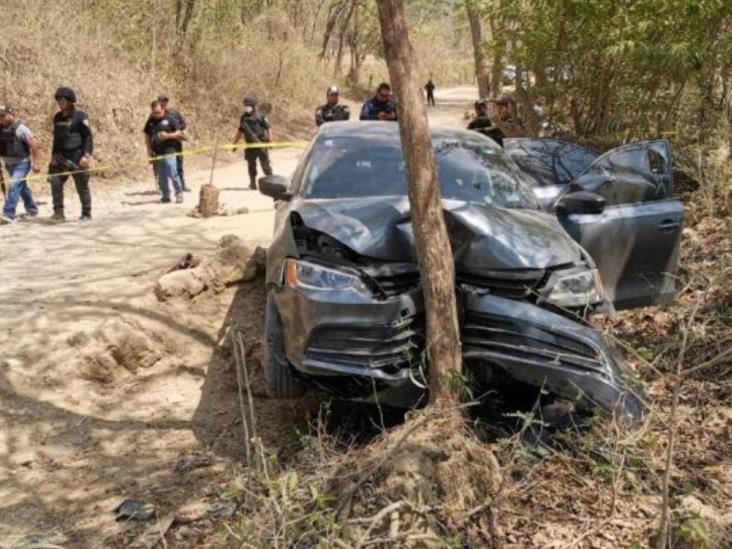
{"x":476,"y":32}
{"x":432,"y":246}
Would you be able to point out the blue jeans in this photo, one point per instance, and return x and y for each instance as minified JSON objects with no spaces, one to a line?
{"x":167,"y":169}
{"x":19,"y":189}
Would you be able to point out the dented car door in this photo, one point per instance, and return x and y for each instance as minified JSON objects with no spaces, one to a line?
{"x":634,"y":231}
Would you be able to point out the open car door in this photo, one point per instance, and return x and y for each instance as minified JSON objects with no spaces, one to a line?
{"x":621,"y":211}
{"x":548,"y":165}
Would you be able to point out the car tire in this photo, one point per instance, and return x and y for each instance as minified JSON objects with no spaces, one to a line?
{"x":279,"y":377}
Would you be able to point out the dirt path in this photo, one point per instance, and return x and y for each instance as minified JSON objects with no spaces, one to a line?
{"x":72,"y":449}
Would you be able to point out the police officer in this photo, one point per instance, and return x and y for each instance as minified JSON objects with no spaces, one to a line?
{"x":175,"y":113}
{"x":381,"y":106}
{"x":21,"y":156}
{"x":430,"y":88}
{"x":161,"y":138}
{"x":255,"y":129}
{"x":71,"y":152}
{"x":332,"y":111}
{"x":480,"y":122}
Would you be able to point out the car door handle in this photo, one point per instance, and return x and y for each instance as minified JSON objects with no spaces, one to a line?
{"x":668,"y":225}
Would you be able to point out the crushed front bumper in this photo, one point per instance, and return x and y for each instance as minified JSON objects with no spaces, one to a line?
{"x":365,"y":348}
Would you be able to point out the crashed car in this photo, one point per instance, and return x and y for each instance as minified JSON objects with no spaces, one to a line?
{"x":345,"y":311}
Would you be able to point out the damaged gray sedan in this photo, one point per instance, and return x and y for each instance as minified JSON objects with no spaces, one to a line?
{"x":345,"y":311}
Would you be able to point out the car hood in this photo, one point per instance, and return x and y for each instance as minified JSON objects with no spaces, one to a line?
{"x":482,"y":236}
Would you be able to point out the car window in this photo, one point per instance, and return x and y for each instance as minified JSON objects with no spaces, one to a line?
{"x":629,"y":175}
{"x":546,"y":162}
{"x":469,"y":169}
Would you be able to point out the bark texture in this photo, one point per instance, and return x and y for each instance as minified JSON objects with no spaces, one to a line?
{"x":433,"y":250}
{"x":208,"y":202}
{"x":476,"y":33}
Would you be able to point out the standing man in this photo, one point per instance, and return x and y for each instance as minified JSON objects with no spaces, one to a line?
{"x":175,"y":113}
{"x":381,"y":106}
{"x":21,"y":156}
{"x":71,"y":152}
{"x":430,"y":88}
{"x":254,"y":127}
{"x":161,"y":143}
{"x":504,"y":121}
{"x":332,"y":111}
{"x":480,"y":122}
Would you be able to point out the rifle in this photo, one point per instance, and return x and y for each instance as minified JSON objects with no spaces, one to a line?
{"x":70,"y":165}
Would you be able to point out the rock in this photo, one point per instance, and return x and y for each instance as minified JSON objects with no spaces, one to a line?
{"x":184,"y":283}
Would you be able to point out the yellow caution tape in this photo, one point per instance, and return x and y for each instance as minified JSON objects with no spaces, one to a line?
{"x":190,"y":152}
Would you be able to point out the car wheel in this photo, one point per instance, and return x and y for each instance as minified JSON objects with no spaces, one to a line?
{"x":279,"y":377}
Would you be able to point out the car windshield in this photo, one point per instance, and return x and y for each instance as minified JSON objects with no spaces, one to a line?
{"x":472,"y":169}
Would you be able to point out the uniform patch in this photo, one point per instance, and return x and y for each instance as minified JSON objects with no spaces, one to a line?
{"x":85,"y":122}
{"x":165,"y":123}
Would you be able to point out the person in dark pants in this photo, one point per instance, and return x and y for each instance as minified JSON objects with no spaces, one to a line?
{"x":332,"y":111}
{"x":175,"y":113}
{"x":255,"y":129}
{"x":161,"y":145}
{"x":20,"y":155}
{"x":430,"y":88}
{"x":381,"y":106}
{"x":71,"y":152}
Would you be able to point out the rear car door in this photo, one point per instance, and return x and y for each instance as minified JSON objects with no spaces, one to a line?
{"x":635,"y":239}
{"x":548,"y":165}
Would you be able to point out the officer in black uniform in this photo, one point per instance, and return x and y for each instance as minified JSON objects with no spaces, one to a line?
{"x":332,"y":111}
{"x":254,"y":127}
{"x":182,"y":125}
{"x":480,"y":121}
{"x":71,"y":152}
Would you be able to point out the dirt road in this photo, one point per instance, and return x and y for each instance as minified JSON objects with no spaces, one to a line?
{"x":71,"y":449}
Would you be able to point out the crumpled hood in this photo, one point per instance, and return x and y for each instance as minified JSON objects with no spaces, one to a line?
{"x":482,"y":236}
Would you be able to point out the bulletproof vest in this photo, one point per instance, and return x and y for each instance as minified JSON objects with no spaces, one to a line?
{"x":333,"y":113}
{"x":67,"y":133}
{"x":256,"y":125}
{"x":10,"y":145}
{"x":382,"y":106}
{"x":163,"y":125}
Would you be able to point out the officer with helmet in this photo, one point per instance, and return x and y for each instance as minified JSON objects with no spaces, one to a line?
{"x":71,"y":152}
{"x":255,"y":129}
{"x":332,"y":111}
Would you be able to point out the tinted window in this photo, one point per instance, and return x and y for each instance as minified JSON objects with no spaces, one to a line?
{"x":630,"y":174}
{"x":469,"y":168}
{"x":547,"y":162}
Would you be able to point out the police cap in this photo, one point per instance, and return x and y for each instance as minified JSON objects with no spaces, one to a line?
{"x":65,"y":93}
{"x":250,"y":99}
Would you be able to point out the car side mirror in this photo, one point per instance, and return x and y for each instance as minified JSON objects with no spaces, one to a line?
{"x":275,"y":186}
{"x":580,"y":202}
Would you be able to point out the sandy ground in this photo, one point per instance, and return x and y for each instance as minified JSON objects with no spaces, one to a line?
{"x":72,"y":449}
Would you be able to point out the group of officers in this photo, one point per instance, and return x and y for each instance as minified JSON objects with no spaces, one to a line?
{"x":165,"y":132}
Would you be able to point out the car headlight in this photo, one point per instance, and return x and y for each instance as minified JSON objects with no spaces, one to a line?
{"x":574,"y":288}
{"x":304,"y":274}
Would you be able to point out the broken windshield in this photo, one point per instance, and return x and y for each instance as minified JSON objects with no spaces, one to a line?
{"x":469,"y":169}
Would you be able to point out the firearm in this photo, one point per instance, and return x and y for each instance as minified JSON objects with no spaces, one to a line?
{"x":65,"y":162}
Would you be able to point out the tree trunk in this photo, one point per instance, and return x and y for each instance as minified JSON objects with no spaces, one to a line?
{"x":208,"y":202}
{"x":476,"y":32}
{"x":436,"y":266}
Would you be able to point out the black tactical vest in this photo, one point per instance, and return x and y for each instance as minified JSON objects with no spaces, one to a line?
{"x":10,"y":145}
{"x":67,"y":132}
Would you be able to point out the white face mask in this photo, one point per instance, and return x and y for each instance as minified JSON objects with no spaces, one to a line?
{"x":249,"y":109}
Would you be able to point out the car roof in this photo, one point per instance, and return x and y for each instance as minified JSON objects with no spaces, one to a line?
{"x":386,"y":130}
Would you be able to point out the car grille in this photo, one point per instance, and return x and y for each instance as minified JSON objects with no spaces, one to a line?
{"x":388,"y":347}
{"x":510,"y":284}
{"x":522,"y":340}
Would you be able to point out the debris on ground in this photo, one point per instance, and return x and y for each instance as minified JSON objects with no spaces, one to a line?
{"x":188,"y":463}
{"x":134,"y":509}
{"x":223,"y":509}
{"x":234,"y":262}
{"x":186,"y":262}
{"x":153,"y":534}
{"x":223,"y":210}
{"x":116,"y":346}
